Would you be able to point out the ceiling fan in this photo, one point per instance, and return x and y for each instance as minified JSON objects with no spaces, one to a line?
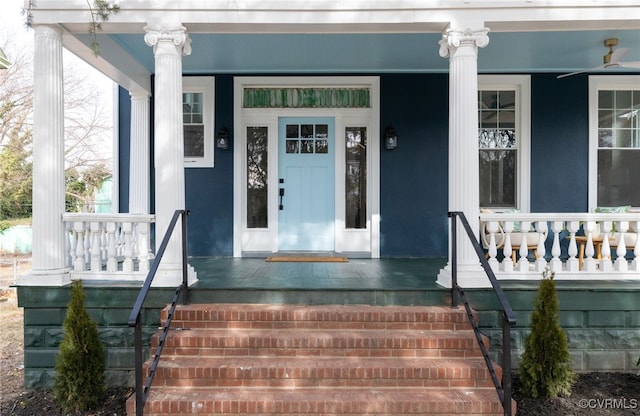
{"x":611,"y":59}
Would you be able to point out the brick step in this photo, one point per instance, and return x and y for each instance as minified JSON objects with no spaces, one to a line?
{"x":330,"y":360}
{"x":322,"y":372}
{"x":350,"y":401}
{"x":338,"y":343}
{"x":317,"y":317}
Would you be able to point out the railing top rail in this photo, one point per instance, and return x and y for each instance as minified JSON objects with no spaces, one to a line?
{"x":142,"y":295}
{"x":502,"y":298}
{"x":111,"y":217}
{"x":559,"y":216}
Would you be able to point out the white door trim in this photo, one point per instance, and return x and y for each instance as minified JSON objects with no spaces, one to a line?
{"x":265,"y":240}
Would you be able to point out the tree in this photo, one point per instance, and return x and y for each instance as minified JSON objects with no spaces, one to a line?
{"x":80,"y":380}
{"x":87,"y":126}
{"x":546,"y":368}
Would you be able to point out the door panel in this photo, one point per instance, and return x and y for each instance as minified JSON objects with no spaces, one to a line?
{"x":306,"y":216}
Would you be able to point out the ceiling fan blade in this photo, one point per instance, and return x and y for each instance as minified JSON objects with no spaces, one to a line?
{"x":633,"y":64}
{"x":570,"y":74}
{"x":618,"y":54}
{"x":580,"y":72}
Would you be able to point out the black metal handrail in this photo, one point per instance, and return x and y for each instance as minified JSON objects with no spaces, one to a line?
{"x":134,"y":318}
{"x":508,"y":317}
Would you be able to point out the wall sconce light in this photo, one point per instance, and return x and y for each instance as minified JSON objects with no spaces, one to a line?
{"x":222,"y":138}
{"x":391,"y":138}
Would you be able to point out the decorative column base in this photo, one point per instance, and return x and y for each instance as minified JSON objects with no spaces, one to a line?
{"x":55,"y":277}
{"x":170,"y":275}
{"x":469,"y":276}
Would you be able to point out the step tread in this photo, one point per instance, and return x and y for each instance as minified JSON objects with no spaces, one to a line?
{"x":251,"y":362}
{"x":326,"y":401}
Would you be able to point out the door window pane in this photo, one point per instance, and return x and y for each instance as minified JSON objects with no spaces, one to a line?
{"x":257,"y":179}
{"x":356,"y":177}
{"x":618,"y":147}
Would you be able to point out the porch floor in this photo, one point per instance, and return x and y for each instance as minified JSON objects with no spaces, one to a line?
{"x":366,"y":281}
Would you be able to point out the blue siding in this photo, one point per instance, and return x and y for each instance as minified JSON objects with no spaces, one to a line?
{"x":559,"y":143}
{"x":209,"y":191}
{"x":413,"y":183}
{"x":413,"y":177}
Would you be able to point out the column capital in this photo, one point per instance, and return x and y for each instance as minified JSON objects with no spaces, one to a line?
{"x":453,"y":39}
{"x":177,"y":36}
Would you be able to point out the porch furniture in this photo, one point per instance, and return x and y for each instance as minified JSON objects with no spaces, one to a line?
{"x":597,"y":244}
{"x":517,"y":237}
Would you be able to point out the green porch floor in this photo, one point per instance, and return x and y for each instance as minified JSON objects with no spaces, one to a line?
{"x":370,"y":281}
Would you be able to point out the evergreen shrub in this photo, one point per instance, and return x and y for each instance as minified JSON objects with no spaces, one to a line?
{"x":79,"y":383}
{"x":546,"y":367}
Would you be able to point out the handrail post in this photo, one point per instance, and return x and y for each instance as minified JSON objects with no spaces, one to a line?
{"x":185,"y":273}
{"x":506,"y":365}
{"x":454,"y":260}
{"x":138,"y":363}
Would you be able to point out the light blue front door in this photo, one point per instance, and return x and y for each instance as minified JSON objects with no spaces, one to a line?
{"x":306,"y":184}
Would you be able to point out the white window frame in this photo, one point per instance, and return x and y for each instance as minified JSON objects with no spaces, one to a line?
{"x":521,"y":84}
{"x":596,"y":83}
{"x":206,"y":86}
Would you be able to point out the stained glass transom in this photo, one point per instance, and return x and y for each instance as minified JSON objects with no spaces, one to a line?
{"x":306,"y":98}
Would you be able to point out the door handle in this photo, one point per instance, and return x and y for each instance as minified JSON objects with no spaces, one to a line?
{"x":280,"y":206}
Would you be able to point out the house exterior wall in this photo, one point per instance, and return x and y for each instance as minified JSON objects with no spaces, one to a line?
{"x":416,"y":105}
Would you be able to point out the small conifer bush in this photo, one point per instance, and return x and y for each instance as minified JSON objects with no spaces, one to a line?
{"x":546,"y":368}
{"x":80,"y":381}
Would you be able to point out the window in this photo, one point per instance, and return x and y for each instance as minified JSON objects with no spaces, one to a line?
{"x":503,"y":141}
{"x":615,"y":137}
{"x":356,"y":177}
{"x":197,"y":119}
{"x":257,"y":177}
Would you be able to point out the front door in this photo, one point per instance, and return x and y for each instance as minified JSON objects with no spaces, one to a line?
{"x":306,"y":181}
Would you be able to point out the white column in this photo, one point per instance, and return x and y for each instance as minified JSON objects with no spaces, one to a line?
{"x":461,"y":47}
{"x":139,"y":171}
{"x":169,"y":44}
{"x":48,"y":256}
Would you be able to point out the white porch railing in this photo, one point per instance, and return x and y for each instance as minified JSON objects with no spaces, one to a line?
{"x":108,"y":246}
{"x":573,"y":245}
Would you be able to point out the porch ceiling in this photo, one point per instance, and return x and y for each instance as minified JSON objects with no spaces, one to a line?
{"x":507,"y":52}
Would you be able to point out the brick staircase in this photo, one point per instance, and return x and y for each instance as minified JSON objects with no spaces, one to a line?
{"x":330,"y":360}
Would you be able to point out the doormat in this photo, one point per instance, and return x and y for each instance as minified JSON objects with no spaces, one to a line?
{"x":307,"y":259}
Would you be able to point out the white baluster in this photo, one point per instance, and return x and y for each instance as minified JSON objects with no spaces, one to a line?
{"x":635,"y":264}
{"x":621,"y":264}
{"x":127,"y":265}
{"x":556,"y":263}
{"x":541,"y":251}
{"x":73,"y":241}
{"x":79,"y":264}
{"x":507,"y":248}
{"x":96,"y":264}
{"x":143,"y":247}
{"x":605,"y":251}
{"x":112,"y":261}
{"x":523,"y":262}
{"x":492,"y":228}
{"x":573,"y":264}
{"x":589,"y":262}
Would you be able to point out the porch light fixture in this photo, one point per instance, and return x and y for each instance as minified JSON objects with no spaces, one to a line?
{"x":391,"y":138}
{"x":222,"y":139}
